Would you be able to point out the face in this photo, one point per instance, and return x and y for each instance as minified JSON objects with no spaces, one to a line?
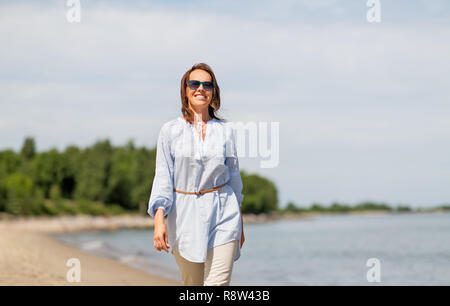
{"x":199,"y":98}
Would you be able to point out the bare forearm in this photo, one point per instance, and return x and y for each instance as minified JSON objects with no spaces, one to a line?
{"x":159,"y":217}
{"x":160,"y":241}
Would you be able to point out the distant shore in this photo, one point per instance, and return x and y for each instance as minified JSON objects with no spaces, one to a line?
{"x":75,"y":223}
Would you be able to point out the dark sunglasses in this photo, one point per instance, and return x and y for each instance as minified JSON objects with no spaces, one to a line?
{"x":194,"y":85}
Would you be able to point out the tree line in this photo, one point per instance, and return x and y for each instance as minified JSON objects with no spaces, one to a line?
{"x":336,"y":207}
{"x":99,"y":179}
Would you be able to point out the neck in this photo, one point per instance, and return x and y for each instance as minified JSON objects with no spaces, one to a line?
{"x":201,"y":115}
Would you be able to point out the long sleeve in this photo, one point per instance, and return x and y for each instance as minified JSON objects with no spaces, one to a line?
{"x":233,"y":168}
{"x":162,"y":188}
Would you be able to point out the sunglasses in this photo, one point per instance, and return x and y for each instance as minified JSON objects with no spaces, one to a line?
{"x":194,"y":85}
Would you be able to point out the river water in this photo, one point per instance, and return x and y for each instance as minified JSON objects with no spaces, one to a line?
{"x":409,"y":249}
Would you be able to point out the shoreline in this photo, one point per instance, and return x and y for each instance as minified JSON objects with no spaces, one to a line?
{"x":31,"y":256}
{"x":77,"y":223}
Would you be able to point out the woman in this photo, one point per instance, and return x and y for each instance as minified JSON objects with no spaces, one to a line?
{"x":197,"y":185}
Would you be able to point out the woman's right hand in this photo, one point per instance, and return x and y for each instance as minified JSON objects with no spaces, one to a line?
{"x":160,"y":241}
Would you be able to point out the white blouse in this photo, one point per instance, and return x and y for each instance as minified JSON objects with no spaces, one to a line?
{"x":186,"y":162}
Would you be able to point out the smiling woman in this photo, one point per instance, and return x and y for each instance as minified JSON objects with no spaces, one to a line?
{"x":198,"y":186}
{"x":198,"y":98}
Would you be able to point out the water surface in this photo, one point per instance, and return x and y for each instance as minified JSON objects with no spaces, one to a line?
{"x":413,"y":249}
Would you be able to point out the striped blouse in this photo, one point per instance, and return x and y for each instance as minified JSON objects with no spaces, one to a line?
{"x":186,"y":162}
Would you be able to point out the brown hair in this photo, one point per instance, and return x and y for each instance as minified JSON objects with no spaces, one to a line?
{"x":213,"y":107}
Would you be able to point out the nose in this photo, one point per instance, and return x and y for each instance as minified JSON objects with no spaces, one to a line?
{"x":200,"y":89}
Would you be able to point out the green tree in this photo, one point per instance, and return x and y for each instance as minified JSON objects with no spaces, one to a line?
{"x":143,"y":174}
{"x":337,"y":207}
{"x":260,"y":194}
{"x":120,"y":181}
{"x":3,"y":190}
{"x":55,"y":193}
{"x":23,"y":197}
{"x":372,"y":206}
{"x":70,"y":161}
{"x":10,"y":162}
{"x":95,"y":167}
{"x":28,"y":150}
{"x":98,"y":179}
{"x":291,"y":207}
{"x":317,"y":207}
{"x":47,"y":170}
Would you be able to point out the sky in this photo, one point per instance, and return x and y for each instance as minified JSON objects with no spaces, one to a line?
{"x":363,"y":108}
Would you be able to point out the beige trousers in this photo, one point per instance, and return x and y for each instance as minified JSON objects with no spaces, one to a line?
{"x":216,"y":271}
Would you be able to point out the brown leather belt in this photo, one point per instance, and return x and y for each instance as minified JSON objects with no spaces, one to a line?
{"x":200,"y":191}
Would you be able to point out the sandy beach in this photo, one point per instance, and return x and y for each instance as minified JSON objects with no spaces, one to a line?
{"x":28,"y":256}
